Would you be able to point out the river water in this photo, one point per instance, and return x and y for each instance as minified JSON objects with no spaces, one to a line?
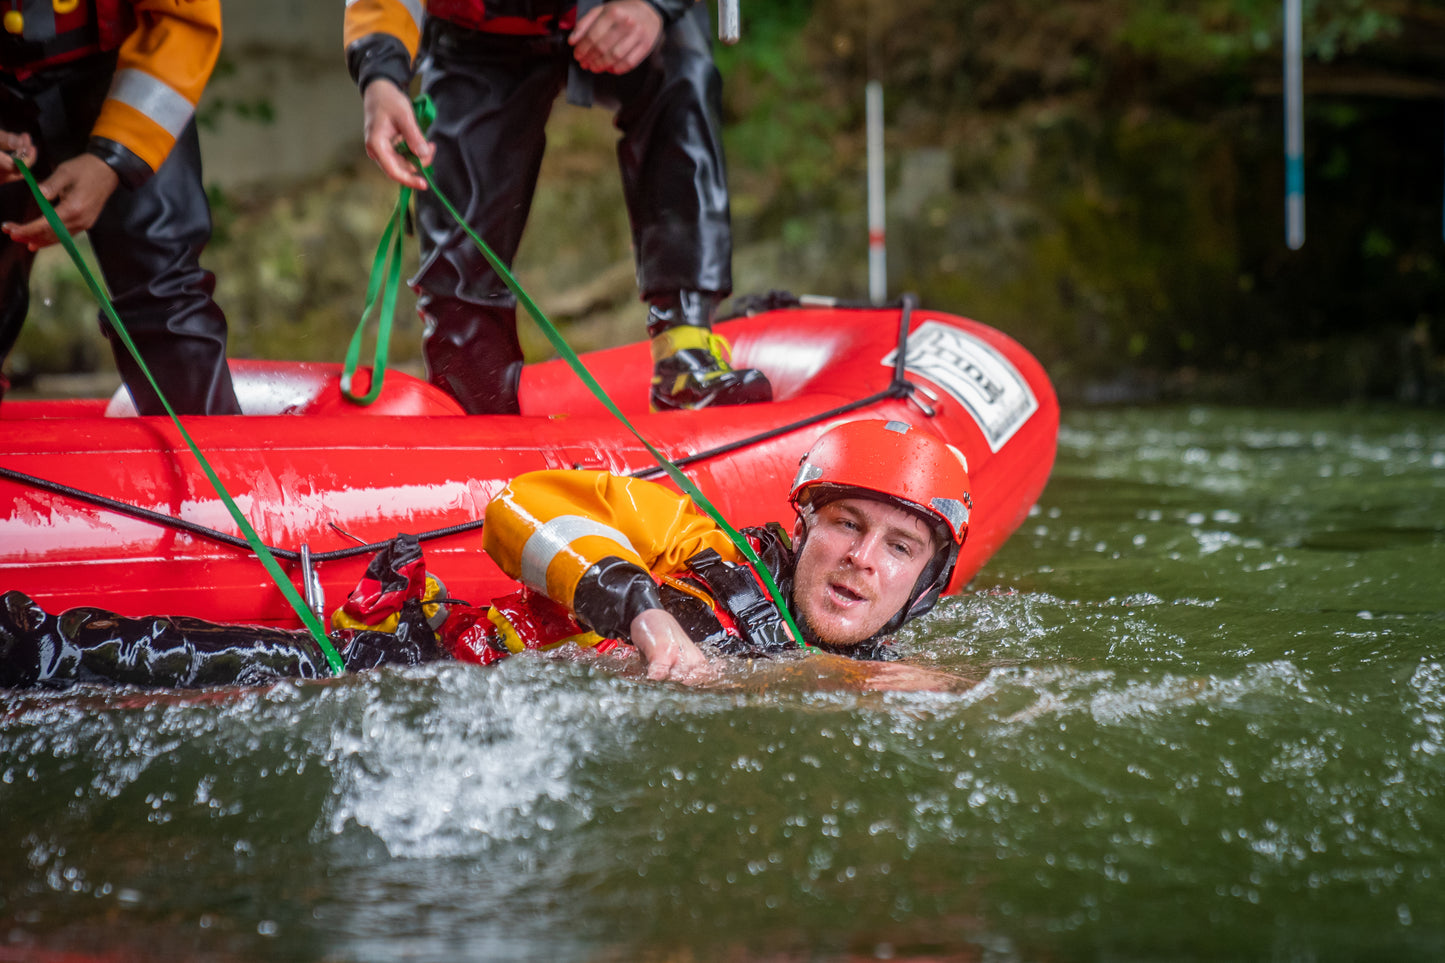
{"x":1209,"y":723}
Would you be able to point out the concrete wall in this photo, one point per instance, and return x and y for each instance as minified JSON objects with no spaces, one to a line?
{"x":288,"y":54}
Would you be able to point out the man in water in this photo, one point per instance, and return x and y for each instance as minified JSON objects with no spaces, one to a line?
{"x":882,"y":510}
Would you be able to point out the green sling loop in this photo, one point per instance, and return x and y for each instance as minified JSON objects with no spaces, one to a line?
{"x":388,"y":261}
{"x":388,"y":255}
{"x":318,"y":634}
{"x":425,"y":113}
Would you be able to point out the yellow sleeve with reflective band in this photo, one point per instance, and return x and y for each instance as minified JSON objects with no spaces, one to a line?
{"x":547,"y":528}
{"x":161,"y":71}
{"x":401,"y":19}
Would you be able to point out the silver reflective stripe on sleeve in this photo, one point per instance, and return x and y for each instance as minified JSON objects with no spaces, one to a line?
{"x":154,"y":98}
{"x":414,"y":7}
{"x":556,"y":536}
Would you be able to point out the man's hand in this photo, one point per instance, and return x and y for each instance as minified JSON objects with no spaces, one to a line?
{"x":670,"y":655}
{"x":79,"y":189}
{"x":388,"y":118}
{"x":14,"y":144}
{"x":615,"y":37}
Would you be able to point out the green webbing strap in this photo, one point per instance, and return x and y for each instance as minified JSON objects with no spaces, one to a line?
{"x":425,"y":110}
{"x":388,"y":256}
{"x":254,"y":540}
{"x":387,"y":261}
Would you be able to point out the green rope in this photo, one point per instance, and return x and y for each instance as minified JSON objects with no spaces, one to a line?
{"x":426,"y":111}
{"x":254,"y":540}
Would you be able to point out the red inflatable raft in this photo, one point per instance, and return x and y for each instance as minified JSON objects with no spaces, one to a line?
{"x":315,"y":474}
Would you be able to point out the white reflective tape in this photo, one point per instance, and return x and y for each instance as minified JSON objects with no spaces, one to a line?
{"x":557,"y":536}
{"x":155,"y":98}
{"x":953,"y":510}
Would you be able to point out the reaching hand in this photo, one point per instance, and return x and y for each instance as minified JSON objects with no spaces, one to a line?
{"x":388,"y":118}
{"x":615,"y":37}
{"x":670,"y":655}
{"x":14,"y":144}
{"x":79,"y":189}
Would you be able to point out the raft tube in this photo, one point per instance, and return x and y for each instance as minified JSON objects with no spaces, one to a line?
{"x":310,"y":469}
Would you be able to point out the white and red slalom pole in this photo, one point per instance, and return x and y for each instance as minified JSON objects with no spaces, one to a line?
{"x":877,"y":245}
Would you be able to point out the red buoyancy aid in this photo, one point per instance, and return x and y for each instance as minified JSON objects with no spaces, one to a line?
{"x":506,"y":17}
{"x":69,"y":31}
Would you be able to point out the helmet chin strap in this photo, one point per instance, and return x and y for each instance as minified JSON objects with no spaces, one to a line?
{"x":930,"y":585}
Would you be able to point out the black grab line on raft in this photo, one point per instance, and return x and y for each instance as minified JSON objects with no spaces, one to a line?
{"x":235,"y":541}
{"x":899,"y":387}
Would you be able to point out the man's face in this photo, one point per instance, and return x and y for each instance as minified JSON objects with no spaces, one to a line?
{"x":859,"y":563}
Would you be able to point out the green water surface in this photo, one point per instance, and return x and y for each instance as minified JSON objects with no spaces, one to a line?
{"x":1208,"y":724}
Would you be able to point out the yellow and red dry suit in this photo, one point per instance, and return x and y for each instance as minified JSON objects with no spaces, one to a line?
{"x":120,"y":79}
{"x":493,"y":71}
{"x":595,"y":550}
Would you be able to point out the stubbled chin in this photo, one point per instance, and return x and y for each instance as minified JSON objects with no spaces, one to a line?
{"x":840,"y":629}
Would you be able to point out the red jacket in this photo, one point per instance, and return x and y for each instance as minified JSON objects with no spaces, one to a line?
{"x":382,"y":36}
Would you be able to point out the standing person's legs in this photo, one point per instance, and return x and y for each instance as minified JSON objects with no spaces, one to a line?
{"x":19,"y":114}
{"x":148,"y":242}
{"x":15,"y":264}
{"x":674,"y":175}
{"x":674,"y":178}
{"x":492,"y":99}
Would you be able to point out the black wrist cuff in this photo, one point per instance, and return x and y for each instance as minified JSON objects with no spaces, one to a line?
{"x":379,"y":56}
{"x":670,"y":10}
{"x":132,"y":171}
{"x":611,"y":594}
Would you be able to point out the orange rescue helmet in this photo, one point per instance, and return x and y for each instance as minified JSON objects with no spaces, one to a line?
{"x":893,"y":462}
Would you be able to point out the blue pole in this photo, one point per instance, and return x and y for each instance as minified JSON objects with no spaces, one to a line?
{"x":1294,"y":127}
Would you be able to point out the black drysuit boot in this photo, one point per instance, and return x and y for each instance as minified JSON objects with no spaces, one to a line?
{"x":690,"y":366}
{"x":472,"y":353}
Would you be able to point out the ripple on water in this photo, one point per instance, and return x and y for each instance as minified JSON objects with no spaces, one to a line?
{"x":1210,"y":714}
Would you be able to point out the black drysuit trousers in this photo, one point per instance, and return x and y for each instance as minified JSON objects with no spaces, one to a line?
{"x":147,"y":240}
{"x":493,"y":95}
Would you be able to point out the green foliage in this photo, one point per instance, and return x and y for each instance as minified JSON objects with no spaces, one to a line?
{"x":1112,"y":187}
{"x":1215,"y":32}
{"x":778,"y":115}
{"x":223,"y":215}
{"x":257,"y":110}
